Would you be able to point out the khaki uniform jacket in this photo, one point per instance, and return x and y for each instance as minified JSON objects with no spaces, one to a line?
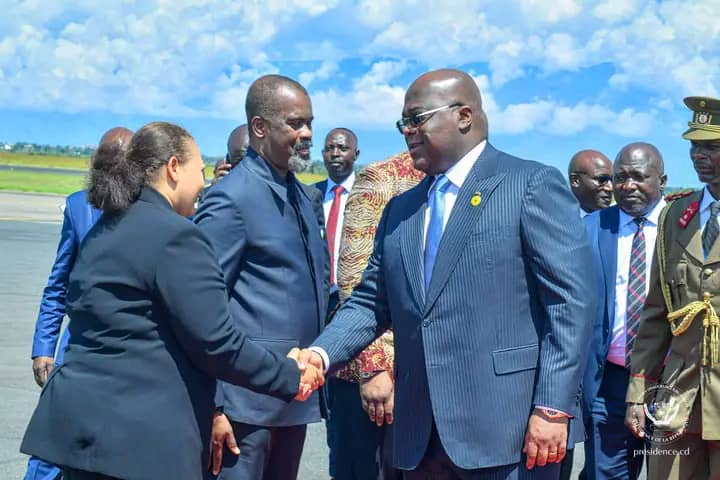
{"x":688,"y":275}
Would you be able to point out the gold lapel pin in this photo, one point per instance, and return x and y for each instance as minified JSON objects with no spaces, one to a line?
{"x":475,"y":200}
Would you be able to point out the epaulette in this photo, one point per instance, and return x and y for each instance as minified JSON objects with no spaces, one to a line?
{"x":679,"y":194}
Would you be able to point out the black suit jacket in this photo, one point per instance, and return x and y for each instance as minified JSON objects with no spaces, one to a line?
{"x":150,"y":329}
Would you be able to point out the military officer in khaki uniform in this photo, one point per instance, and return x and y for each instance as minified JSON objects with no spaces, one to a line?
{"x":675,"y":365}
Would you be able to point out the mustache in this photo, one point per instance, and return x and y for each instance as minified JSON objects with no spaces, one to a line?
{"x":303,"y":145}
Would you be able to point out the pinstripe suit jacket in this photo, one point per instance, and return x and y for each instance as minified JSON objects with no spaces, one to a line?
{"x":503,"y":325}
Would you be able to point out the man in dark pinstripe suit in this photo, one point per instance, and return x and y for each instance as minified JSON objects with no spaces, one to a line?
{"x":480,"y":270}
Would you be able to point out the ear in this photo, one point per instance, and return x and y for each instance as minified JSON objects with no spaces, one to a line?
{"x":663,"y":183}
{"x":173,"y":168}
{"x":258,"y":127}
{"x":574,"y":181}
{"x":465,"y":115}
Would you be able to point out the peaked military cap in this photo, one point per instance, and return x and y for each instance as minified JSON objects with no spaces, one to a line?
{"x":705,"y":124}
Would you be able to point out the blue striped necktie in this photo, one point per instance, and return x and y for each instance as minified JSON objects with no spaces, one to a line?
{"x":636,"y":288}
{"x":435,"y":226}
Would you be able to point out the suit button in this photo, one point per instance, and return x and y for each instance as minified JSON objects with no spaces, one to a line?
{"x":707,"y":272}
{"x":426,"y":323}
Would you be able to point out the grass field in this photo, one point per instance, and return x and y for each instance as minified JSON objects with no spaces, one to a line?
{"x":65,"y":184}
{"x":46,"y":161}
{"x":40,"y":182}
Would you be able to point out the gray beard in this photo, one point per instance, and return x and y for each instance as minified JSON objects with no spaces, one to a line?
{"x":297,"y":164}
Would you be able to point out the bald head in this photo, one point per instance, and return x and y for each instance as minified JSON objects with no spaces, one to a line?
{"x":265,"y":96}
{"x":237,"y":144}
{"x":116,"y":135}
{"x":112,"y":147}
{"x":437,"y":140}
{"x":639,"y":178}
{"x":642,"y":152}
{"x":590,"y":175}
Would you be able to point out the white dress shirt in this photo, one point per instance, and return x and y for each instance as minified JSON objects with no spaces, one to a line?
{"x":626,"y":232}
{"x":456,"y":175}
{"x":347,"y":185}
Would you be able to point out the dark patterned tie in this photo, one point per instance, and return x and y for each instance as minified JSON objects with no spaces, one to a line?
{"x":636,"y":288}
{"x":712,"y":228}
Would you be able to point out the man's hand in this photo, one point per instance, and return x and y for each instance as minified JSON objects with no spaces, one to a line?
{"x":312,"y":377}
{"x":308,"y":357}
{"x":222,"y":434}
{"x":635,"y":419}
{"x":378,"y":397}
{"x":545,"y":440}
{"x":42,"y":366}
{"x":222,"y":170}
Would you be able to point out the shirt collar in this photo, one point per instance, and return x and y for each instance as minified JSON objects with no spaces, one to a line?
{"x":458,"y":173}
{"x":652,"y":217}
{"x":347,"y":184}
{"x":707,"y":200}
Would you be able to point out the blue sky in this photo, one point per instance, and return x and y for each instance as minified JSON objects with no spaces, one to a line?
{"x":557,"y":76}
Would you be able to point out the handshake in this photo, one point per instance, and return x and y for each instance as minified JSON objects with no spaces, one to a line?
{"x":311,"y":370}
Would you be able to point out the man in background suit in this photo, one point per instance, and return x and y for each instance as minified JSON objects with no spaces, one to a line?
{"x":622,"y":239}
{"x":261,"y":223}
{"x":339,"y":155}
{"x":590,"y":176}
{"x":78,"y":217}
{"x":237,"y":145}
{"x":486,"y":291}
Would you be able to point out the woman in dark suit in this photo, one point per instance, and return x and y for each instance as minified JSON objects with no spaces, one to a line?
{"x":150,"y":330}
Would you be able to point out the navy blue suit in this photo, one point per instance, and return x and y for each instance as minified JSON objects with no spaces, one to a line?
{"x":78,"y":217}
{"x":266,"y":233}
{"x":604,"y":384}
{"x":502,"y":327}
{"x":150,"y":331}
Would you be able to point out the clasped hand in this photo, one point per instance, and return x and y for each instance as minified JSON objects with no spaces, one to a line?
{"x":312,"y":378}
{"x":311,"y":370}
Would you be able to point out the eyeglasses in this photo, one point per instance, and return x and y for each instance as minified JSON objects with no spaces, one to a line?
{"x":417,"y":119}
{"x":622,"y":179}
{"x":599,"y":179}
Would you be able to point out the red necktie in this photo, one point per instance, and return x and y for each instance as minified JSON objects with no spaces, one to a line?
{"x":331,"y":228}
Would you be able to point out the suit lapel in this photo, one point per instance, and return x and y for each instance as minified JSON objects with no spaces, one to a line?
{"x":608,"y":240}
{"x":309,"y":225}
{"x":482,"y":180}
{"x":411,"y":243}
{"x":690,"y":238}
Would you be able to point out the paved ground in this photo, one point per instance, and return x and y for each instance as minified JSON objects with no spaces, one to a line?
{"x":27,"y":250}
{"x":29,"y":231}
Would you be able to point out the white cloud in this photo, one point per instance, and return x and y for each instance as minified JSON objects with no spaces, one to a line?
{"x":552,"y":117}
{"x":198,"y":57}
{"x":615,"y":10}
{"x":371,"y":102}
{"x":136,"y":57}
{"x":550,"y":11}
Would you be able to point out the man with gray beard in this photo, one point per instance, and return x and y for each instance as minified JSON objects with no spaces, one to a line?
{"x":266,"y":233}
